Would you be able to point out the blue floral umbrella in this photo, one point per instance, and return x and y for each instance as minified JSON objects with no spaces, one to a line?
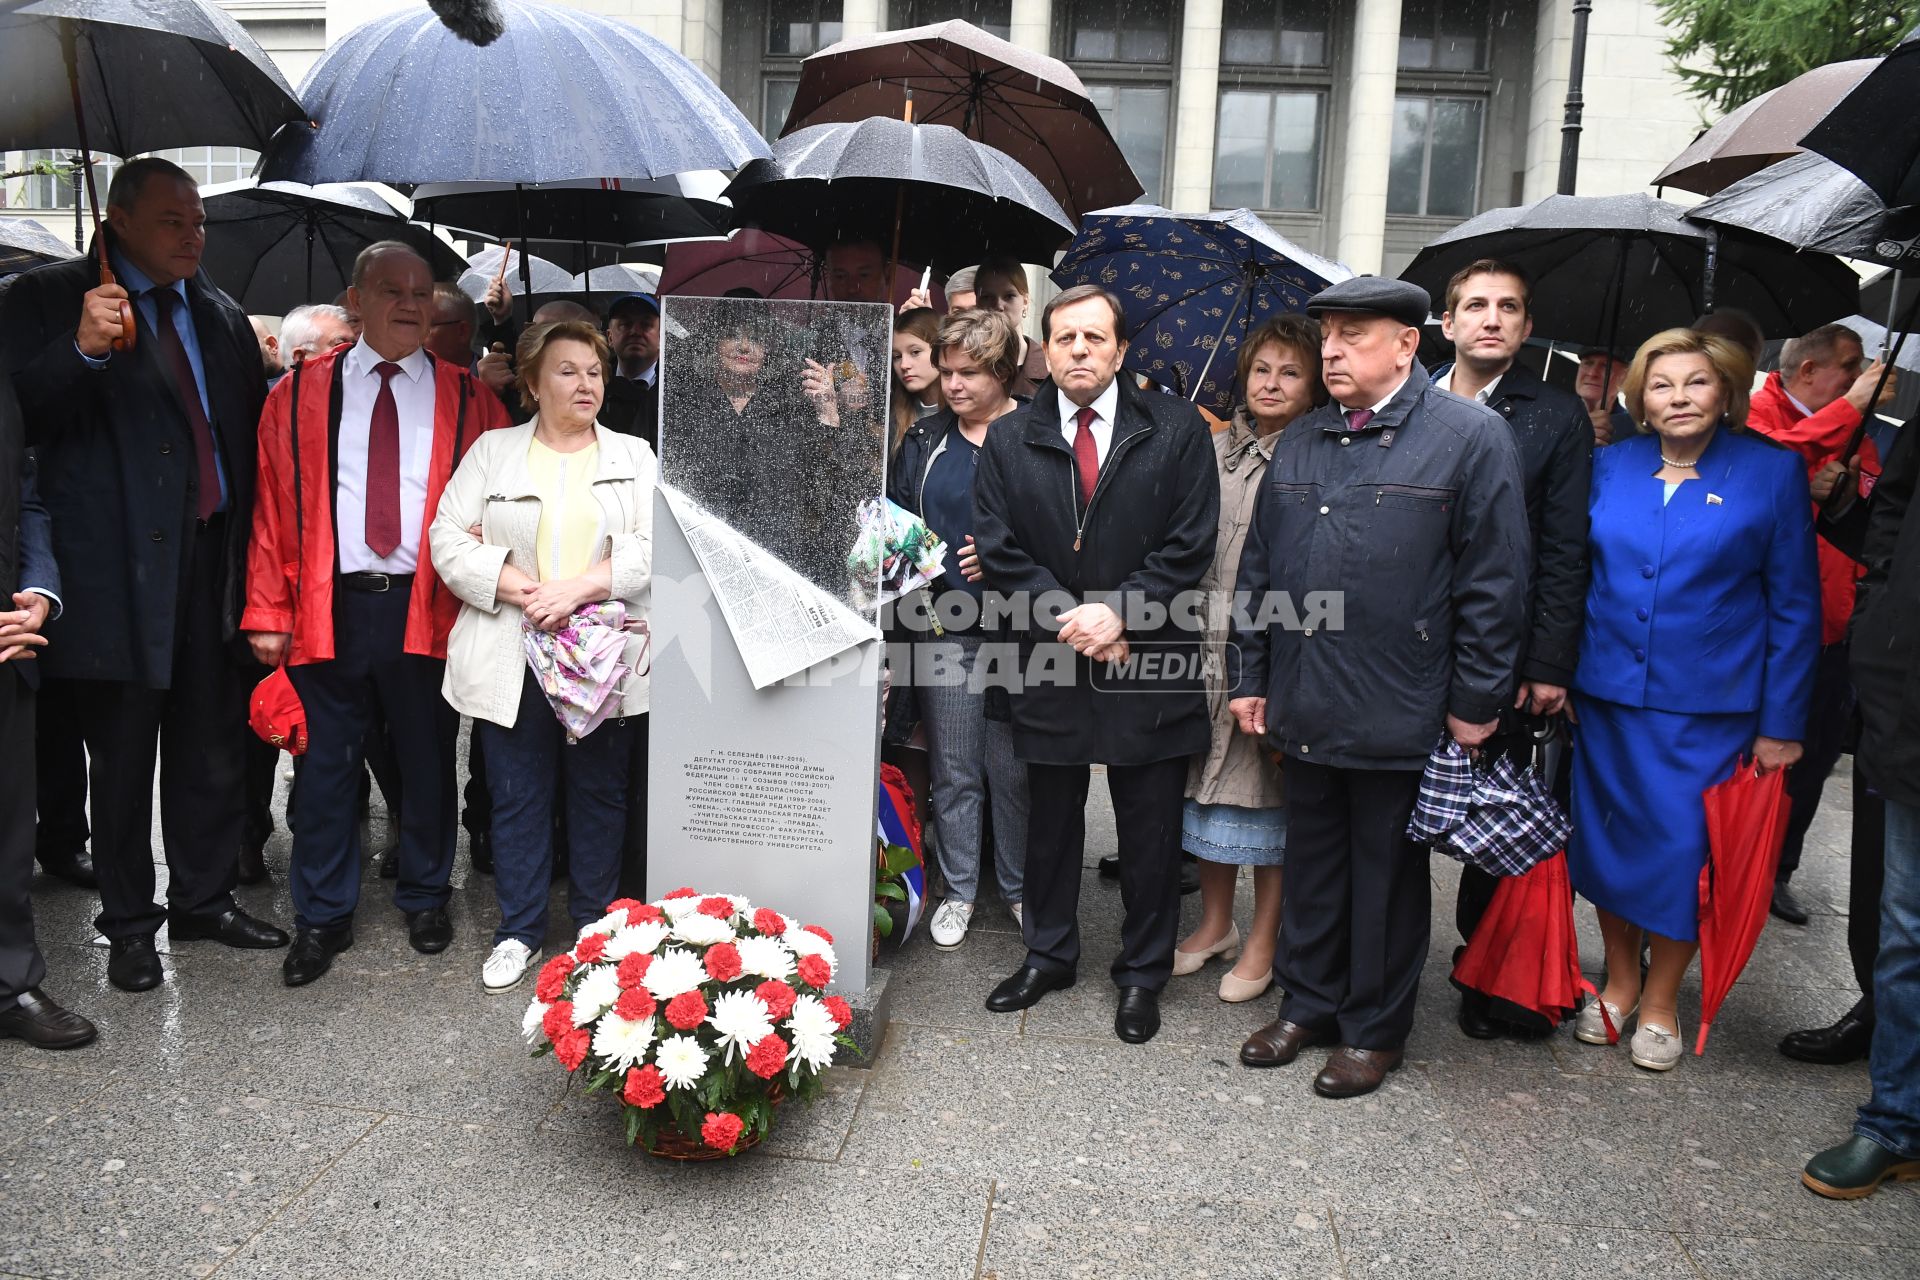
{"x":1194,"y":286}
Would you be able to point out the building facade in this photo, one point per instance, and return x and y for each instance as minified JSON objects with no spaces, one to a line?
{"x":1359,"y":128}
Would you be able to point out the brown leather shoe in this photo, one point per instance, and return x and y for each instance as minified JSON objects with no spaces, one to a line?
{"x":1280,"y":1042}
{"x":1351,"y":1072}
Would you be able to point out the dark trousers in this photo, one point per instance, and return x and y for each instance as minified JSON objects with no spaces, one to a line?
{"x":198,"y":729}
{"x":371,"y":673}
{"x":1829,"y":719}
{"x":1146,"y":810}
{"x":633,"y":851}
{"x":1867,"y":877}
{"x":1354,"y":921}
{"x":60,"y":755}
{"x":21,"y":964}
{"x":524,"y":775}
{"x":262,"y":762}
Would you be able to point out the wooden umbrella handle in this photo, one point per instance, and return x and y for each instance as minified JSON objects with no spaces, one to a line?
{"x":128,"y":330}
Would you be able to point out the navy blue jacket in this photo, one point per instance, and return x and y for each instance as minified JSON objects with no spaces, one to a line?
{"x":1711,"y":603}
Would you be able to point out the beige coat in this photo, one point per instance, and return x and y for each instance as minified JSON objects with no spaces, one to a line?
{"x":1236,"y":770}
{"x":492,"y":487}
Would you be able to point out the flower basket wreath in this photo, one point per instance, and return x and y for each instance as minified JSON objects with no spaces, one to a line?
{"x":700,"y":1012}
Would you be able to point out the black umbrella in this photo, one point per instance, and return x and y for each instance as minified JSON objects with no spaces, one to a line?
{"x":604,"y":211}
{"x":278,"y":245}
{"x":25,"y":244}
{"x":1812,"y":203}
{"x":937,"y":195}
{"x":1875,"y":130}
{"x":1612,"y":271}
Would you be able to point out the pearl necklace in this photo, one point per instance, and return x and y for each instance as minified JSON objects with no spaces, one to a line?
{"x":1679,"y":466}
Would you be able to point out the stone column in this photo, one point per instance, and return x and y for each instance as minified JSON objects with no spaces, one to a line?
{"x":862,"y":18}
{"x":1369,"y":136}
{"x":1196,"y":108}
{"x":1030,"y":25}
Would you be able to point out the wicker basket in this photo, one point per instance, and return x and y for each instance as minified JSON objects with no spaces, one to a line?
{"x":671,"y":1144}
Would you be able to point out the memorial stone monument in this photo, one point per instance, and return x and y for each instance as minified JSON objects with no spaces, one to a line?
{"x":764,"y":756}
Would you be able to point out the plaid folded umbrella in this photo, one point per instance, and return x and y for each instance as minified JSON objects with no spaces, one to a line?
{"x":1498,"y":817}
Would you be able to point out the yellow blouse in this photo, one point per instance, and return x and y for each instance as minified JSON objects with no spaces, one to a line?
{"x":569,"y":514}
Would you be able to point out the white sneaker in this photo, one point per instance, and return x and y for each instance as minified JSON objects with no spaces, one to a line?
{"x":949,"y":927}
{"x":510,"y":962}
{"x":1656,"y":1048}
{"x":1013,"y":908}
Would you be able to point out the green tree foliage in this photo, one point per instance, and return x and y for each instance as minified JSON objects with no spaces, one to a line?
{"x":1729,"y":52}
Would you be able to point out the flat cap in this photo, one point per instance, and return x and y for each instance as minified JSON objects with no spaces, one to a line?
{"x":1378,"y":295}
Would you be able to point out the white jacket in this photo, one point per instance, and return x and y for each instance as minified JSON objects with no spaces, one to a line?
{"x":492,"y":487}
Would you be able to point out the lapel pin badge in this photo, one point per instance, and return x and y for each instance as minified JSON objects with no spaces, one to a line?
{"x":1713,"y":500}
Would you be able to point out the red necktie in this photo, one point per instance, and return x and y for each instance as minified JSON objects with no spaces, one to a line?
{"x":383,"y":467}
{"x":175,"y":352}
{"x":1357,"y":419}
{"x":1086,"y":456}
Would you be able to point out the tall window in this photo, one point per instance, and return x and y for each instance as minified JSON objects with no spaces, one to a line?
{"x":206,"y":165}
{"x":994,"y":16}
{"x":1275,"y":33}
{"x":795,"y":28}
{"x":1267,"y":150}
{"x":1444,"y":35}
{"x":1435,"y":167}
{"x":1124,"y":52}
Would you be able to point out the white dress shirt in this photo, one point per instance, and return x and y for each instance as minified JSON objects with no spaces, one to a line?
{"x":413,"y":396}
{"x":1482,"y":396}
{"x":1105,"y":405}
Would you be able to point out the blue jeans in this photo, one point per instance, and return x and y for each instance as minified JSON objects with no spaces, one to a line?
{"x":1892,"y":1116}
{"x":524,"y":774}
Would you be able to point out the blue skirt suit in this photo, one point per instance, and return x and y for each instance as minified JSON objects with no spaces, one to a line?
{"x":1702,"y":627}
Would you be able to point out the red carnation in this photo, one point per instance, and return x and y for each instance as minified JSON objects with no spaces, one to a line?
{"x":684,"y":892}
{"x":687,"y":1010}
{"x":635,"y":1004}
{"x":645,"y":1087}
{"x":632,"y":970}
{"x":553,"y":977}
{"x":767,"y":1056}
{"x":558,"y":1020}
{"x":771,"y":923}
{"x":571,"y":1048}
{"x":717,"y":907}
{"x":721,"y":1130}
{"x":592,"y":948}
{"x":814,"y":971}
{"x":779,"y":997}
{"x":622,"y":904}
{"x":818,"y":932}
{"x":645,"y":913}
{"x":723,"y":962}
{"x":842,"y":1011}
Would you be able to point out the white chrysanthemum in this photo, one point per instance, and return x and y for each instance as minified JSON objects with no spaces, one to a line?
{"x":813,"y":1030}
{"x":681,"y":1060}
{"x":765,"y":958}
{"x":621,"y":1043}
{"x":742,"y":1020}
{"x":741,"y":906}
{"x":595,"y":993}
{"x":812,"y":944}
{"x":679,"y":908}
{"x":703,"y":931}
{"x":674,"y":972}
{"x":636,"y":939}
{"x":607,"y":924}
{"x":530,"y":1024}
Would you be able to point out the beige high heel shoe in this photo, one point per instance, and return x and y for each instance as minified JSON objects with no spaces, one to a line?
{"x":1228,"y":949}
{"x":1235,"y":989}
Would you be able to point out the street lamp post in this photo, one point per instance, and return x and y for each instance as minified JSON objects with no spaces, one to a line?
{"x":1576,"y":73}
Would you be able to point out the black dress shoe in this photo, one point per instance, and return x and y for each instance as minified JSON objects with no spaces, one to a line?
{"x":133,"y":964}
{"x":1110,"y":867}
{"x":480,"y":849}
{"x":1476,"y":1017}
{"x":1137,"y":1019}
{"x":1847,"y":1040}
{"x":75,"y":866}
{"x":313,"y":953}
{"x":1787,"y":905}
{"x":1024,"y":989}
{"x":233,"y":927}
{"x":253,"y":863}
{"x":44,"y":1024}
{"x":429,"y":932}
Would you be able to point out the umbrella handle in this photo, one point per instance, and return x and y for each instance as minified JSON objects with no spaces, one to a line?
{"x":69,"y":47}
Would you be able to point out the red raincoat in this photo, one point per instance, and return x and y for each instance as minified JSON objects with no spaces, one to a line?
{"x":290,"y":561}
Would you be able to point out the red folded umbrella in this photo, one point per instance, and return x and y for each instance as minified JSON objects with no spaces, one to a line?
{"x":1525,"y":950}
{"x":1746,"y":824}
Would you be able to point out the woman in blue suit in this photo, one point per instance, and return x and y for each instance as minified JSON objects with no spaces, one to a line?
{"x":1702,"y":626}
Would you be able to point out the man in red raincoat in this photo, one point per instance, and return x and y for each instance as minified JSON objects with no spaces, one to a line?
{"x":1813,"y":404}
{"x":355,"y":447}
